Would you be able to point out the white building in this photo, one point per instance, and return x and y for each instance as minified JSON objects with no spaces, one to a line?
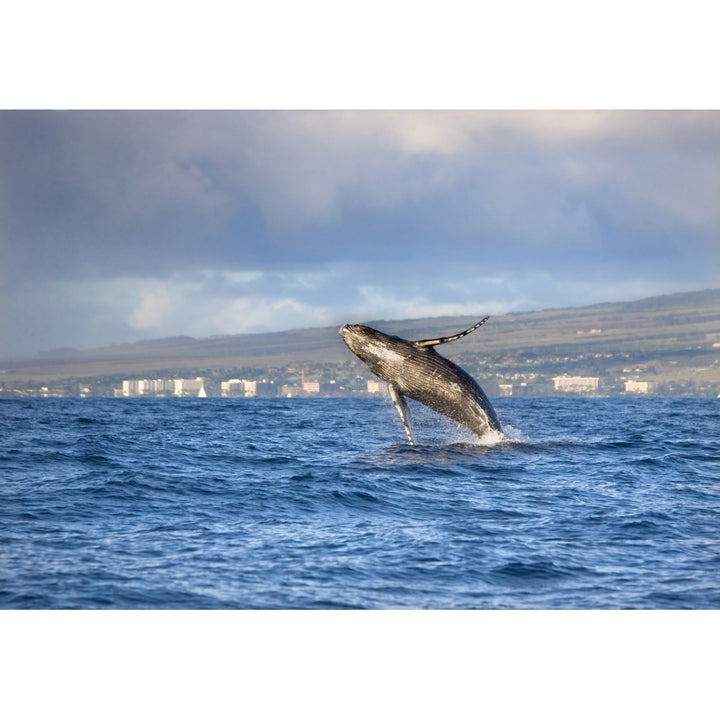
{"x":162,"y":386}
{"x":132,"y":388}
{"x":136,"y":388}
{"x":232,"y":388}
{"x":185,"y":387}
{"x":576,"y":383}
{"x":639,"y":386}
{"x":238,"y":388}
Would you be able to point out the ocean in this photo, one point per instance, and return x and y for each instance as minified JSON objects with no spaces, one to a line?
{"x":301,"y":503}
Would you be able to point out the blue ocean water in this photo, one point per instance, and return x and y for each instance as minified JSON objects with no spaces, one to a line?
{"x":321,"y":503}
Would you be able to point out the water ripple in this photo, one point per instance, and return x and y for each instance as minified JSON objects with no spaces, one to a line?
{"x":586,"y":503}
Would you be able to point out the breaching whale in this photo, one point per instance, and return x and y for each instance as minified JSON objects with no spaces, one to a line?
{"x":415,"y":370}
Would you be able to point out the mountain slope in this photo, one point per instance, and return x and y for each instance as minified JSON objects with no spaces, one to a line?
{"x":667,"y":323}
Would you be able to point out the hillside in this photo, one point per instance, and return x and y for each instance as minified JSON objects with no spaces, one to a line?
{"x":671,"y":338}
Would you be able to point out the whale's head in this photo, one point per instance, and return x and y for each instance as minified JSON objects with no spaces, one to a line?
{"x":378,"y":350}
{"x":361,"y":338}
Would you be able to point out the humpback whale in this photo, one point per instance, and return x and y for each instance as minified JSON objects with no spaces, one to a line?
{"x":413,"y":369}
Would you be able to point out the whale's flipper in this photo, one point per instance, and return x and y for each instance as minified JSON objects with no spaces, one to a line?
{"x":403,"y":410}
{"x":450,"y":338}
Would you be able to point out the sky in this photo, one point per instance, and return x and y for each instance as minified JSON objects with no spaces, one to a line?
{"x":124,"y":225}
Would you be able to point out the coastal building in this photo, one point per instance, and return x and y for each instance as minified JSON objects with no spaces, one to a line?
{"x":185,"y":387}
{"x":137,"y":388}
{"x":576,"y":383}
{"x":163,"y":386}
{"x":306,"y":388}
{"x":133,"y":388}
{"x":319,"y":388}
{"x":376,"y":386}
{"x":238,"y":388}
{"x":180,"y":387}
{"x":639,"y":386}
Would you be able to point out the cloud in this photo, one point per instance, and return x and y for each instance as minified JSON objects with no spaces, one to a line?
{"x":153,"y":310}
{"x":211,"y":222}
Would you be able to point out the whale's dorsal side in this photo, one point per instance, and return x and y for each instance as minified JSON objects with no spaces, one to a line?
{"x":450,"y":338}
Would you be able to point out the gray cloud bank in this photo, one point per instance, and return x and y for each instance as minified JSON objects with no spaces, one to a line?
{"x":121,"y":225}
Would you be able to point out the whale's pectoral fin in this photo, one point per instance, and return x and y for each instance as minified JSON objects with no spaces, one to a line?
{"x":403,"y":410}
{"x":450,"y":338}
